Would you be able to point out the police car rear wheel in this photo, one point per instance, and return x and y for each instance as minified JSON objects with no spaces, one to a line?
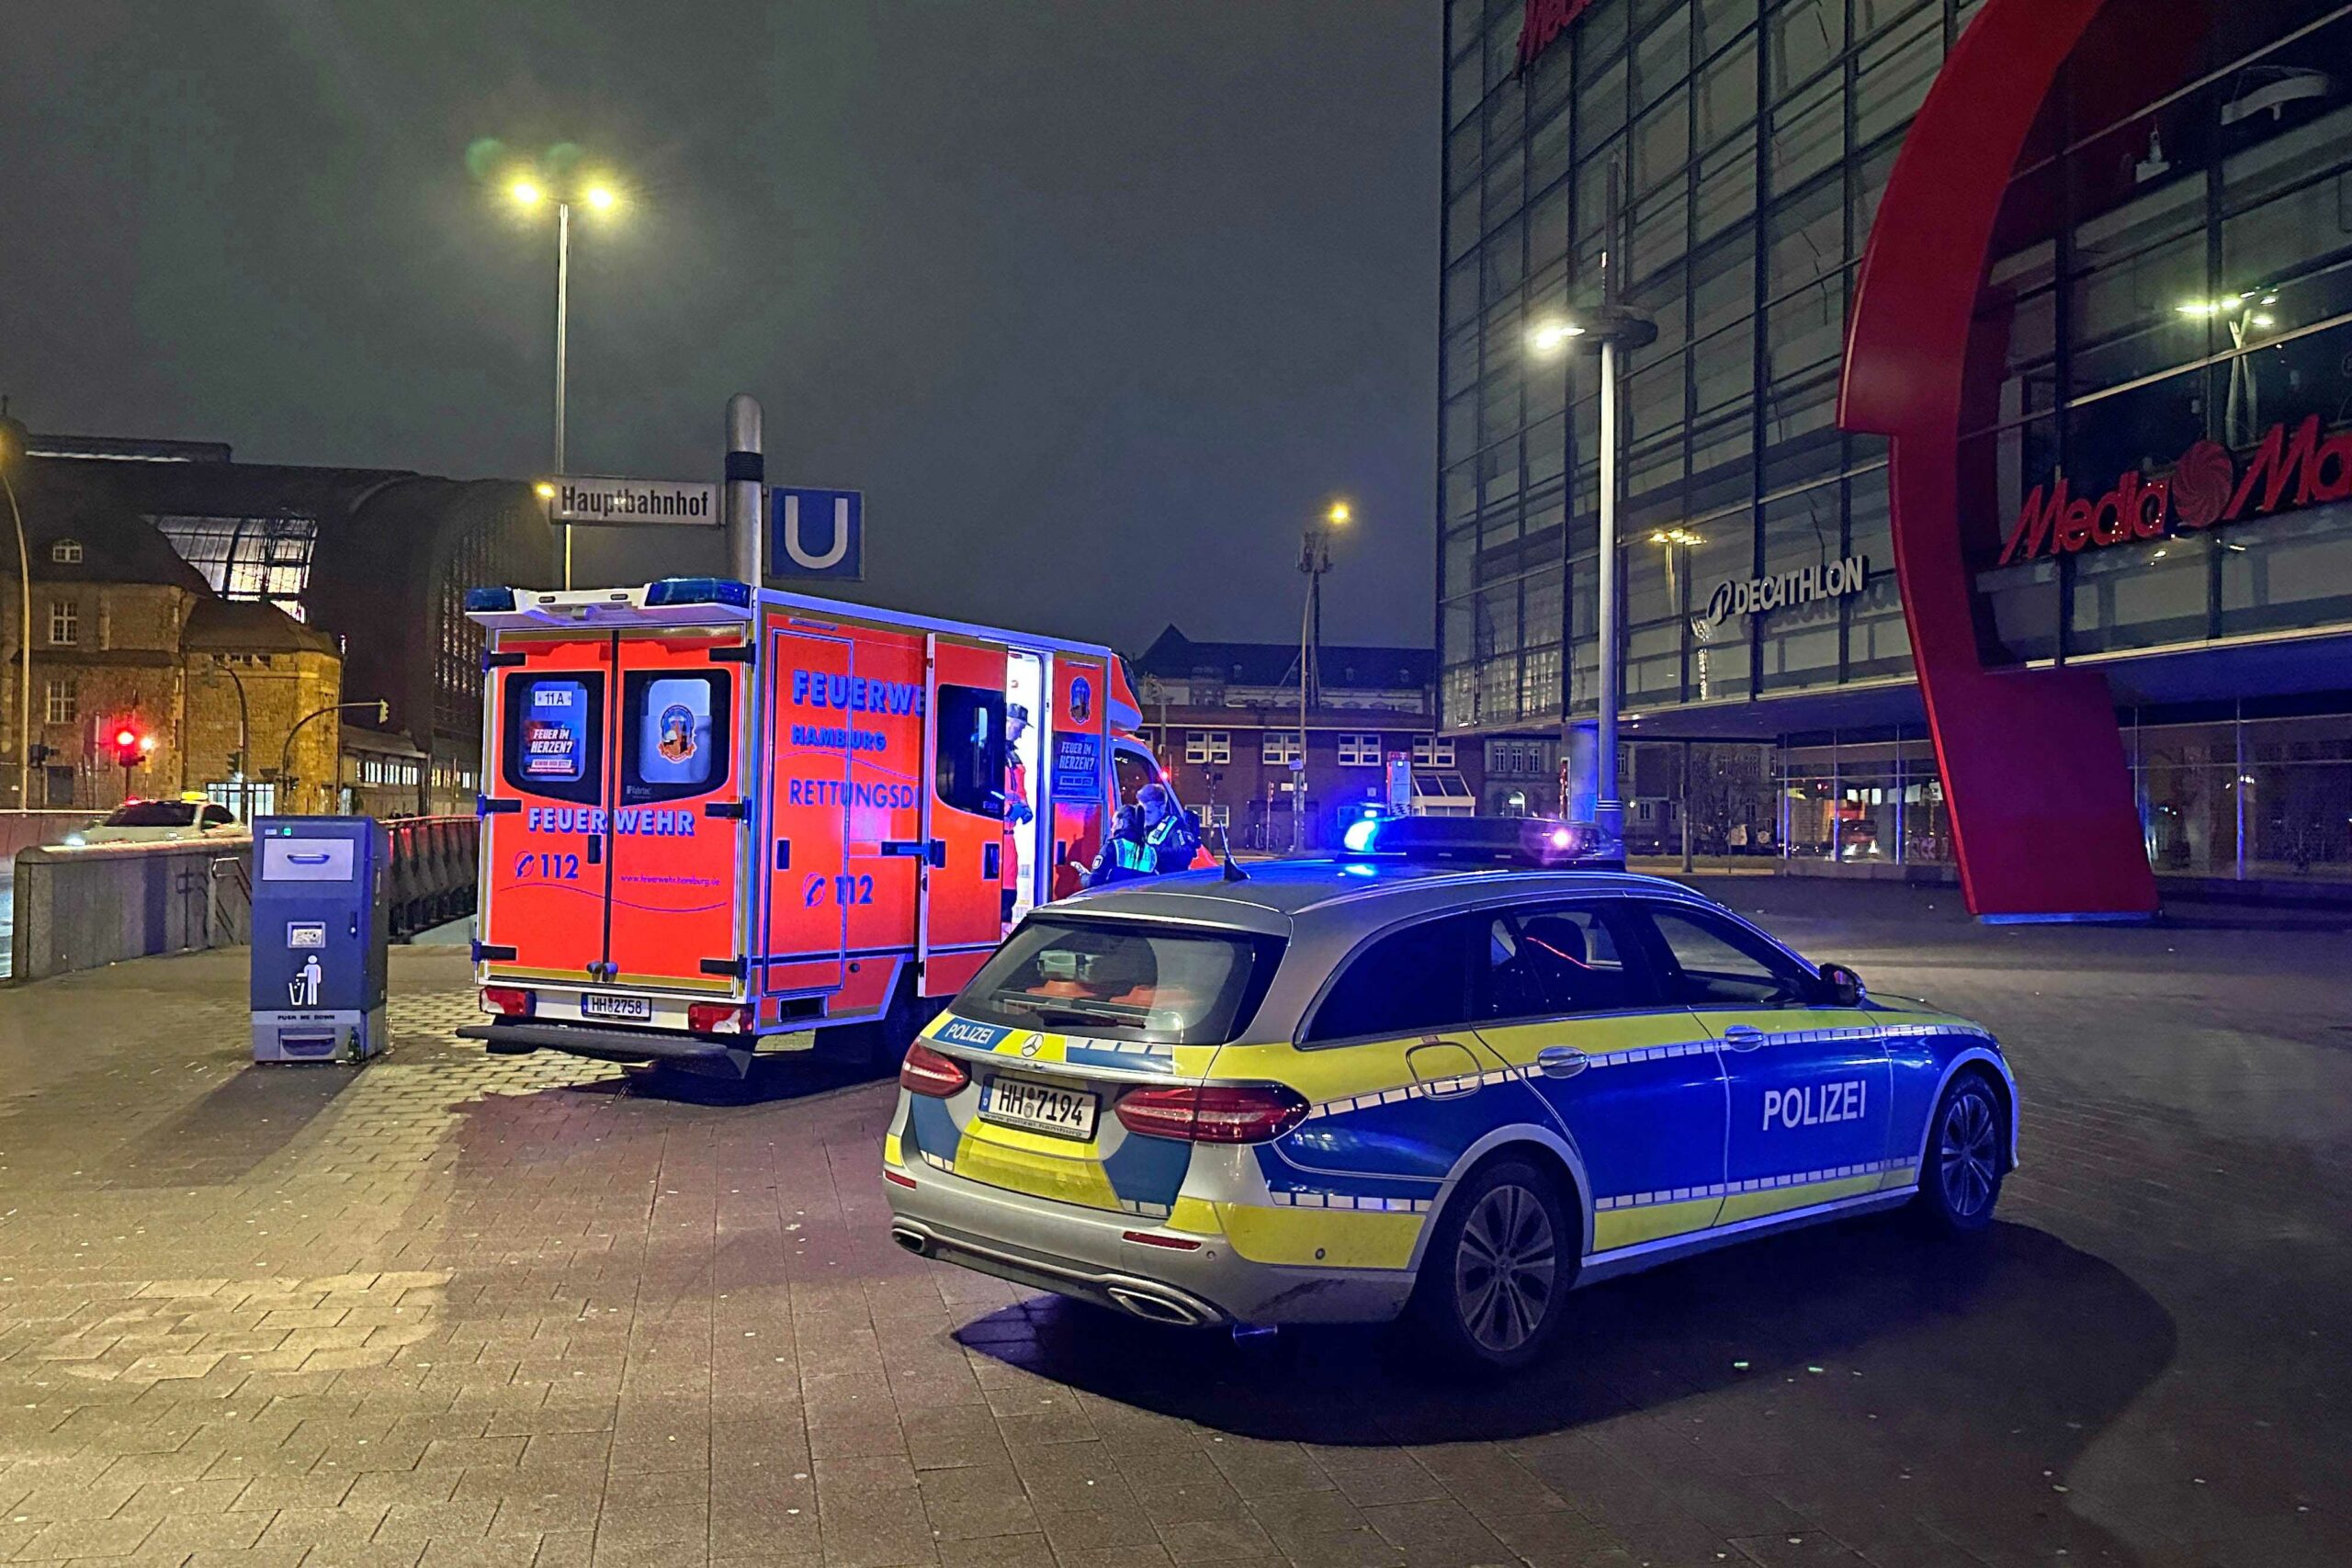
{"x":1962,"y":1180}
{"x":1493,"y":1277}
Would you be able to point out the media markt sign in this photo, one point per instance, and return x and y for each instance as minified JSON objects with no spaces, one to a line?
{"x":1823,"y":580}
{"x":585,"y":499}
{"x":2205,"y":488}
{"x":1544,"y":21}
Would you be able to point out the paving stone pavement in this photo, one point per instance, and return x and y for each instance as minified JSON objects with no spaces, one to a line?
{"x":449,"y":1309}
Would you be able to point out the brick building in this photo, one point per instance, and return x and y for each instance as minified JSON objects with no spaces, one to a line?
{"x":1222,"y":718}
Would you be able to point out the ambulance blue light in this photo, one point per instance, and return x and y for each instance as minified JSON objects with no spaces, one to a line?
{"x":1358,"y":837}
{"x":698,"y":591}
{"x":490,"y":599}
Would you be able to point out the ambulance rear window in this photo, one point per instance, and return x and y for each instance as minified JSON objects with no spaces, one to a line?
{"x":554,"y":734}
{"x":1123,"y":981}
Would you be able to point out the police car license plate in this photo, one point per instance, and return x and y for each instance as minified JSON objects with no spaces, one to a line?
{"x":597,"y":1005}
{"x":1040,"y":1108}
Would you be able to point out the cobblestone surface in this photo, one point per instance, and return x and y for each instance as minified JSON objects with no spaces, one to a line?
{"x":450,"y":1309}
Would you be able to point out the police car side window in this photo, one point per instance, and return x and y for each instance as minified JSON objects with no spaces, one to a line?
{"x":1409,"y":982}
{"x":1712,"y":963}
{"x":1547,"y":960}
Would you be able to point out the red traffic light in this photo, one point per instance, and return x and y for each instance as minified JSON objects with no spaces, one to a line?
{"x":127,"y":738}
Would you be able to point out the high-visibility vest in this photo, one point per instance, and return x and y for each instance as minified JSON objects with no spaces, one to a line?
{"x":1131,"y":854}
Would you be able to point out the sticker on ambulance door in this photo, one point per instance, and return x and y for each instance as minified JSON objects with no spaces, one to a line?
{"x":555,"y":731}
{"x":673,"y":731}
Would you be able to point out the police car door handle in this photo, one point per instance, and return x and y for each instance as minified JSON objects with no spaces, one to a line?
{"x":1561,"y":1061}
{"x":1742,"y":1036}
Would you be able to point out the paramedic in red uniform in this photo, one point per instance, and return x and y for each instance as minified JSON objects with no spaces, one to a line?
{"x":1017,"y":809}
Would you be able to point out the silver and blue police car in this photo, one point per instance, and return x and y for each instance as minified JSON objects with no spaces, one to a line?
{"x":1439,"y":1078}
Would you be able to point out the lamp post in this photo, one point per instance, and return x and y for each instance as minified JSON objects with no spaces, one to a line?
{"x":285,"y":752}
{"x":1314,"y":560}
{"x":1615,"y":329}
{"x":528,"y":192}
{"x":12,"y":449}
{"x":244,"y":741}
{"x":1677,"y":542}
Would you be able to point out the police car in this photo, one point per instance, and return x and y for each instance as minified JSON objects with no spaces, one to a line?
{"x":1450,"y":1078}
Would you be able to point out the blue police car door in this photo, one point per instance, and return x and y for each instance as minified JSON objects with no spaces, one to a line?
{"x":1568,"y":996}
{"x":1808,"y":1082}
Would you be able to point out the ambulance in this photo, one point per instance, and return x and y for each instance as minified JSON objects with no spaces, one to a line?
{"x":718,"y":824}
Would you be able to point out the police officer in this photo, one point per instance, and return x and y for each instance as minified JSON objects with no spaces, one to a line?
{"x":1168,"y":833}
{"x":1125,"y":854}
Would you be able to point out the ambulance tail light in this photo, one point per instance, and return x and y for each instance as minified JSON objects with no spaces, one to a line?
{"x":506,"y":1001}
{"x":929,"y":1072}
{"x":1214,"y":1113}
{"x":718,"y":1018}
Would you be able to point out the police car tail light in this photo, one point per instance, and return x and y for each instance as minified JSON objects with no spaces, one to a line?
{"x":715,"y":1018}
{"x":926,"y":1071}
{"x":1214,"y":1113}
{"x":506,"y":1001}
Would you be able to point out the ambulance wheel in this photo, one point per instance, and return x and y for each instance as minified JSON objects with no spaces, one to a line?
{"x":1494,"y":1276}
{"x":1960,"y":1180}
{"x":881,"y":1046}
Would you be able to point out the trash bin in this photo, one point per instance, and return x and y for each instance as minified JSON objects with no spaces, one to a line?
{"x":321,"y":928}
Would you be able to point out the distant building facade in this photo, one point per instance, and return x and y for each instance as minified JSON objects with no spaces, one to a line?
{"x":374,"y":562}
{"x":1222,"y":718}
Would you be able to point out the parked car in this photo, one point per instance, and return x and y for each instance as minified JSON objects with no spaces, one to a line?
{"x":159,"y":822}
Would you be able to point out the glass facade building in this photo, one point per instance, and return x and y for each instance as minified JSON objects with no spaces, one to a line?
{"x":2171,"y":287}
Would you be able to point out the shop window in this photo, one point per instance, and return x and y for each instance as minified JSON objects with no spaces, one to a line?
{"x":555,"y":734}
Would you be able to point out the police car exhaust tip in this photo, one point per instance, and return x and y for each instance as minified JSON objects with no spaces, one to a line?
{"x":1155,"y":1308}
{"x":912,"y":1240}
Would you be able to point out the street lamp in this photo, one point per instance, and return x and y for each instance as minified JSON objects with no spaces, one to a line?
{"x":528,"y":192}
{"x":1615,"y":328}
{"x":1314,"y":560}
{"x":2243,"y":312}
{"x":12,"y":450}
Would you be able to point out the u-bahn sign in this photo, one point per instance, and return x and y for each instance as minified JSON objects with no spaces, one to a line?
{"x":2206,"y":487}
{"x":1823,"y":580}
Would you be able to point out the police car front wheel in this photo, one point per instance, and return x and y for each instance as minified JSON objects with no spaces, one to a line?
{"x":1496,"y":1275}
{"x":1961,"y":1178}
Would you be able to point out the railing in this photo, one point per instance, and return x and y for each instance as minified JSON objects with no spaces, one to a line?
{"x":430,"y":877}
{"x":229,"y":892}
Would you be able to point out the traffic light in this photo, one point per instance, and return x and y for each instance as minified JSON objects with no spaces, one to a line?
{"x":131,"y":744}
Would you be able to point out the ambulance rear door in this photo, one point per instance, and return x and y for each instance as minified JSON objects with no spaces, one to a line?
{"x":543,"y":805}
{"x":805,"y":833}
{"x":965,"y":713}
{"x":678,"y":834}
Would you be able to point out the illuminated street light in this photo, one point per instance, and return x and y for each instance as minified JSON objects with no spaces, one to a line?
{"x":528,"y":192}
{"x":1338,"y":512}
{"x":1314,"y":560}
{"x":1550,"y":337}
{"x":544,"y":491}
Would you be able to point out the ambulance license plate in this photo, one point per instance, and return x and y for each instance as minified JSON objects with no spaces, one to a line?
{"x":1039,"y":1108}
{"x":594,"y":1004}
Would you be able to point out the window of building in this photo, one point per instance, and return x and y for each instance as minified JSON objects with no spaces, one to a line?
{"x":1359,"y":751}
{"x":266,"y":558}
{"x":1432,"y":751}
{"x":1278,"y":748}
{"x":62,"y":702}
{"x":65,"y":622}
{"x":66,"y":552}
{"x":1208,"y":746}
{"x":1216,"y":815}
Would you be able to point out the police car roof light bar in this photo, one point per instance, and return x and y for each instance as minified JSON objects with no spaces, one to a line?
{"x":1510,"y":841}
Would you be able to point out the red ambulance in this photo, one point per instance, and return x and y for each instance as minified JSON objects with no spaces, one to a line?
{"x":716,"y":824}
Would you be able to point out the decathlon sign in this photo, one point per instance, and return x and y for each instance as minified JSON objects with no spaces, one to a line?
{"x":632,"y":501}
{"x":817,"y":532}
{"x":1823,"y":580}
{"x":2206,"y":487}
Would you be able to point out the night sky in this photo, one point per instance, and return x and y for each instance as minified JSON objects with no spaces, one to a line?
{"x":1096,"y":300}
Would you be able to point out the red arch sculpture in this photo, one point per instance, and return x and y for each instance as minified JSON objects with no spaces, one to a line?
{"x":2044,"y":823}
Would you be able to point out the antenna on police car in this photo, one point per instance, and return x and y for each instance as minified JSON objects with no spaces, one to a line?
{"x":1224,"y":846}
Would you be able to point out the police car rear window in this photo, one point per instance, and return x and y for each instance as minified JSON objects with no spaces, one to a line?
{"x":1160,"y":984}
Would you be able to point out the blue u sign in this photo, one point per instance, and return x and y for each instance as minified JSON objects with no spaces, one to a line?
{"x":817,"y":532}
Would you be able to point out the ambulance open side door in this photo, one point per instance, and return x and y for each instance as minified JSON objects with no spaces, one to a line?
{"x":962,"y":915}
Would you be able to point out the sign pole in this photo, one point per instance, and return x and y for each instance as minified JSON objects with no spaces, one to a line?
{"x":746,"y":474}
